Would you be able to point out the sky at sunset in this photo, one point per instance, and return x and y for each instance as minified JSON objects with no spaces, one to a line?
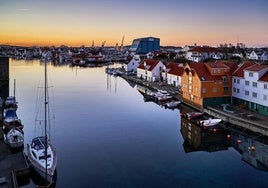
{"x":175,"y":22}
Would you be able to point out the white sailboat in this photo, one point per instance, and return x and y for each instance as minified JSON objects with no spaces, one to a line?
{"x":41,"y":153}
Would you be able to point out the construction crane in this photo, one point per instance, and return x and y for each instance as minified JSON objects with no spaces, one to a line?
{"x":122,"y":44}
{"x":103,"y":43}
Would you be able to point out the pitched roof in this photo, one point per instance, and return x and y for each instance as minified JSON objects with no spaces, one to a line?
{"x":239,"y":72}
{"x":204,"y":49}
{"x":174,"y":68}
{"x":256,"y":67}
{"x":150,"y":64}
{"x":201,"y":70}
{"x":264,"y":78}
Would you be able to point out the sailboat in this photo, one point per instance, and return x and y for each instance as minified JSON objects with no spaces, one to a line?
{"x":12,"y":126}
{"x":41,"y":153}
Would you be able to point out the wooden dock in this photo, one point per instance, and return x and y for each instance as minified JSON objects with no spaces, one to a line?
{"x":14,"y":168}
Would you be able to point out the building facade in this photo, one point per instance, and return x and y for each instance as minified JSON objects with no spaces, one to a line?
{"x":150,"y":70}
{"x":250,"y":87}
{"x":207,"y":84}
{"x":145,"y":45}
{"x":172,"y":73}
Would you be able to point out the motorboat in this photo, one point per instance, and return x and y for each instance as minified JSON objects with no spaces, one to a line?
{"x":11,"y":120}
{"x":210,"y":122}
{"x":173,"y":104}
{"x":11,"y":102}
{"x":193,"y":115}
{"x":14,"y":138}
{"x":41,"y":153}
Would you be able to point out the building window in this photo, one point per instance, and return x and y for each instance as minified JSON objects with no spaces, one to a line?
{"x":265,"y":86}
{"x":246,"y":82}
{"x":234,"y":80}
{"x":190,"y":79}
{"x":191,"y":97}
{"x":224,"y":79}
{"x":254,"y":95}
{"x":225,"y":89}
{"x":238,"y":90}
{"x":214,"y":90}
{"x":254,"y":84}
{"x":265,"y":97}
{"x":234,"y":90}
{"x":190,"y":89}
{"x":250,"y":74}
{"x":204,"y":90}
{"x":246,"y":92}
{"x":238,"y":81}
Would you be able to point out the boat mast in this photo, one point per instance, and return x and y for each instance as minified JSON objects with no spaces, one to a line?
{"x":46,"y":102}
{"x":14,"y":87}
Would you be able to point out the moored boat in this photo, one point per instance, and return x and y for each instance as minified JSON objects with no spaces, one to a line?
{"x":210,"y":122}
{"x":41,"y":153}
{"x":11,"y":102}
{"x":173,"y":104}
{"x":193,"y":115}
{"x":14,"y":138}
{"x":11,"y":120}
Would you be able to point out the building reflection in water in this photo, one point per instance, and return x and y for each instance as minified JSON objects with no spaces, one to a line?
{"x":197,"y":138}
{"x":254,"y":149}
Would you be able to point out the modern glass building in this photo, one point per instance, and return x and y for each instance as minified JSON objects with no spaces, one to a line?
{"x":145,"y":45}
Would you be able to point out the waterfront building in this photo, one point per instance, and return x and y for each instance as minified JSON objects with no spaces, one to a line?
{"x":250,"y":87}
{"x":207,"y":84}
{"x":133,"y":64}
{"x":199,"y":54}
{"x":145,"y":45}
{"x":150,"y":70}
{"x":172,"y":73}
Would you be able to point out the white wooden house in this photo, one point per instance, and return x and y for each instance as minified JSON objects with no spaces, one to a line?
{"x":133,"y":64}
{"x":150,"y":70}
{"x":172,"y":73}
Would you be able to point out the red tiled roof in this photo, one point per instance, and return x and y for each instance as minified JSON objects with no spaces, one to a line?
{"x":204,"y":49}
{"x":264,"y":78}
{"x":201,"y":70}
{"x":150,"y":64}
{"x":175,"y":69}
{"x":231,"y":64}
{"x":256,"y":67}
{"x":239,"y":72}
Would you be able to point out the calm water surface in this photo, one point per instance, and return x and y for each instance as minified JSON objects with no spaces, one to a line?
{"x":107,"y":136}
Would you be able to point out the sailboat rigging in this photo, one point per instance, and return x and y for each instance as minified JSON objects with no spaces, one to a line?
{"x":41,"y":153}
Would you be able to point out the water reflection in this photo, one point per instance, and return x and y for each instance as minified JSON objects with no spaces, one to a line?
{"x":197,"y":138}
{"x":254,"y":149}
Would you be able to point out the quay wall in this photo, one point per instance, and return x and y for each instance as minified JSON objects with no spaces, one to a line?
{"x":239,"y":121}
{"x":226,"y":117}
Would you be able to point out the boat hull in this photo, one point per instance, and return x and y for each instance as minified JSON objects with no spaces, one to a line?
{"x":51,"y":172}
{"x":14,"y":138}
{"x":210,"y":122}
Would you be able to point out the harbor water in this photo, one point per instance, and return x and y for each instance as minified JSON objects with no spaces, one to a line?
{"x":107,"y":136}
